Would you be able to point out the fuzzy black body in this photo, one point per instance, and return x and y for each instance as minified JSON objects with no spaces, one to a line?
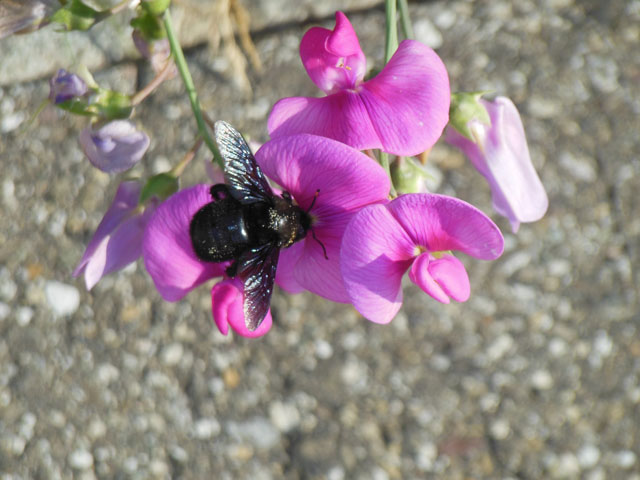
{"x":247,"y":223}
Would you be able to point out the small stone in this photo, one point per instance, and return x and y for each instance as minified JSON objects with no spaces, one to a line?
{"x":500,"y":347}
{"x":541,"y":380}
{"x":179,"y":454}
{"x":500,"y":429}
{"x":172,"y":354}
{"x":62,"y":298}
{"x":588,"y":456}
{"x":324,"y":349}
{"x":107,"y":373}
{"x":426,"y":455}
{"x":625,"y":459}
{"x":427,"y":33}
{"x":566,"y":467}
{"x":96,"y":428}
{"x":258,"y":431}
{"x":284,"y":416}
{"x":24,"y":316}
{"x":206,"y":428}
{"x":4,"y":310}
{"x":81,"y":460}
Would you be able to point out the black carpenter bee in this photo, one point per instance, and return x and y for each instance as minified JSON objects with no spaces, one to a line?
{"x":247,"y":223}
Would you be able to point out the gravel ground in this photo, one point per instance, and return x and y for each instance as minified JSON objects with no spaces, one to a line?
{"x":536,"y":376}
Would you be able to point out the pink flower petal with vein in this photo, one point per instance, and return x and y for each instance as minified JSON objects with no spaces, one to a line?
{"x":167,"y":250}
{"x":227,"y":310}
{"x":441,"y":277}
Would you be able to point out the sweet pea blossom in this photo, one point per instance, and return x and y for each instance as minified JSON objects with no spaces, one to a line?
{"x":115,"y":147}
{"x":500,"y":153}
{"x":414,"y":232}
{"x":65,"y":86}
{"x":302,"y":165}
{"x":402,"y":110}
{"x":345,"y":181}
{"x":117,"y":241}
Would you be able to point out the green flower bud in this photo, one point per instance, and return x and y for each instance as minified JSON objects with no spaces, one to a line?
{"x":465,"y":106}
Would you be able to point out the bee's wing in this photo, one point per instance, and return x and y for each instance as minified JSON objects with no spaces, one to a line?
{"x":246,"y":181}
{"x":257,"y":269}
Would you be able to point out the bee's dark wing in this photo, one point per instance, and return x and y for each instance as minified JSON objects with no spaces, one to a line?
{"x":257,"y":270}
{"x":241,"y":171}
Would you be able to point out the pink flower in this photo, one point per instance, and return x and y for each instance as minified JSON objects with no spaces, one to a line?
{"x":227,"y":309}
{"x":402,"y":110}
{"x":346,"y":180}
{"x":117,"y":241}
{"x":499,"y":152}
{"x":115,"y":147}
{"x":414,"y":232}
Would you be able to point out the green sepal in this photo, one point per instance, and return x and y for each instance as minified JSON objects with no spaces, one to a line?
{"x":465,"y":106}
{"x":75,"y":15}
{"x":409,"y":175}
{"x":161,"y":185}
{"x":155,"y":7}
{"x":77,"y":107}
{"x":111,"y":105}
{"x":149,"y":25}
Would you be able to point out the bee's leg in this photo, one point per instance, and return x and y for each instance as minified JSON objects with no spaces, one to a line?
{"x":232,"y":269}
{"x":219,"y":189}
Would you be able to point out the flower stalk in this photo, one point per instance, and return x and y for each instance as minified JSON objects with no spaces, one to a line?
{"x":391,"y":30}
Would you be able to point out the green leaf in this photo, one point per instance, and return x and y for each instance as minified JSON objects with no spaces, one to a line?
{"x":149,"y":25}
{"x":162,"y":186}
{"x":465,"y":106}
{"x":75,"y":15}
{"x":111,"y":105}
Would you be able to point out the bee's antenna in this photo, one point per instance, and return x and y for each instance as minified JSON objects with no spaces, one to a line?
{"x":313,"y":203}
{"x":324,"y":250}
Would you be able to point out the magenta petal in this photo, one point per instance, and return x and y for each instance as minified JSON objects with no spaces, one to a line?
{"x":115,"y":147}
{"x":441,"y":277}
{"x":226,"y":307}
{"x":441,"y":223}
{"x":167,"y":250}
{"x":285,"y":274}
{"x":408,"y":101}
{"x":500,"y":153}
{"x":333,"y":59}
{"x":341,"y":116}
{"x":375,"y":254}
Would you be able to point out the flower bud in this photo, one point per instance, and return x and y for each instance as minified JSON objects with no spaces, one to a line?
{"x":65,"y":86}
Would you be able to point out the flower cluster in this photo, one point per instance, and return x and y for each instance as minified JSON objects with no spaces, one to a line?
{"x":332,"y":156}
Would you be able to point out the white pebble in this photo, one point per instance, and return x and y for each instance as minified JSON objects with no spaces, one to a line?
{"x":324,"y":349}
{"x":500,"y":429}
{"x":426,"y":456}
{"x":542,"y":380}
{"x":284,"y":416}
{"x":62,"y":298}
{"x":24,"y":316}
{"x":4,"y":310}
{"x":81,"y":460}
{"x":172,"y":353}
{"x":206,"y":428}
{"x":625,"y":459}
{"x":588,"y":456}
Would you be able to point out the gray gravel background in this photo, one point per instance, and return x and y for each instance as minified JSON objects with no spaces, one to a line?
{"x":536,"y":376}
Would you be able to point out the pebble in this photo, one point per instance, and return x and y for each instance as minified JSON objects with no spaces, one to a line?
{"x":426,"y":455}
{"x":427,"y":33}
{"x":206,"y":428}
{"x":580,"y":167}
{"x":284,"y":416}
{"x":4,"y":310}
{"x":172,"y":353}
{"x":588,"y":456}
{"x":625,"y":459}
{"x":24,"y":316}
{"x":324,"y":350}
{"x":542,"y":380}
{"x":258,"y":431}
{"x":500,"y":429}
{"x":63,"y":299}
{"x":81,"y":460}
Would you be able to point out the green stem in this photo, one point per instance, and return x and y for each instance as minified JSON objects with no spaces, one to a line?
{"x":391,"y":31}
{"x":384,"y":161}
{"x":405,"y":20}
{"x":181,"y":64}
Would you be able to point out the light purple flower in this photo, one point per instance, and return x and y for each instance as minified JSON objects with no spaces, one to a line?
{"x":65,"y":86}
{"x":227,"y":309}
{"x":346,"y":179}
{"x":117,"y":241}
{"x":115,"y":147}
{"x":414,"y":232}
{"x":402,"y":110}
{"x":500,"y":153}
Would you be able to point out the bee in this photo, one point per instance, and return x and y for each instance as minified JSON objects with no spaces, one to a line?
{"x":247,"y":223}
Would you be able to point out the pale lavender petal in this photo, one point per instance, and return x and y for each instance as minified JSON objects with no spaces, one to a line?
{"x":124,"y":202}
{"x":167,"y":250}
{"x":341,"y":116}
{"x":408,"y":101}
{"x":227,"y":309}
{"x":500,"y":153}
{"x":115,"y":147}
{"x":333,"y":59}
{"x":441,"y":223}
{"x":375,"y":254}
{"x":441,"y":278}
{"x":65,"y":86}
